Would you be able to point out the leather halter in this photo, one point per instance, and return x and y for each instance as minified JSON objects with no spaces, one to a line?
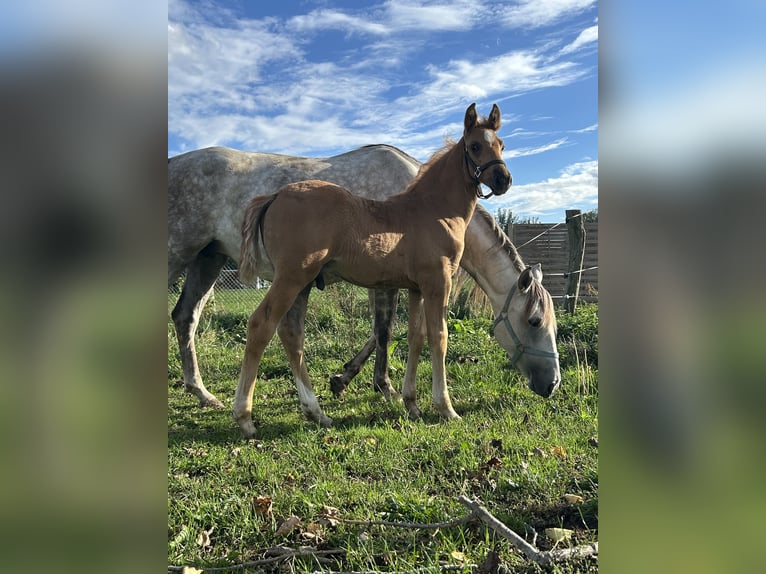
{"x":475,"y":171}
{"x":502,"y":317}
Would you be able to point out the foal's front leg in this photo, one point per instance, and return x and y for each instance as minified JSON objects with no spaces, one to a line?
{"x":436,"y":311}
{"x":291,"y":332}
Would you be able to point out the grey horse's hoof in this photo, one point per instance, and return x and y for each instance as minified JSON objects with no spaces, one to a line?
{"x":338,"y":384}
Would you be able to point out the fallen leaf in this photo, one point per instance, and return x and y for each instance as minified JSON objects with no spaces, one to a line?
{"x":288,"y":525}
{"x":190,"y":570}
{"x":262,"y":505}
{"x":235,"y":451}
{"x":493,"y":462}
{"x":573,"y":498}
{"x":203,"y":538}
{"x":539,"y":452}
{"x":328,"y":516}
{"x":371,"y":440}
{"x":559,"y":451}
{"x":558,"y":534}
{"x":459,"y":556}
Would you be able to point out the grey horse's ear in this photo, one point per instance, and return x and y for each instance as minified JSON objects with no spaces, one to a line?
{"x":471,"y":118}
{"x":525,"y":280}
{"x":537,"y":272}
{"x":493,"y":121}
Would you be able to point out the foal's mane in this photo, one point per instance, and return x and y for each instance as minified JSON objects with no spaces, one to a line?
{"x":537,"y":293}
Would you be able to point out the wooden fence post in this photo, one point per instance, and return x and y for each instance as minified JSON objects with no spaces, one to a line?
{"x":576,"y":232}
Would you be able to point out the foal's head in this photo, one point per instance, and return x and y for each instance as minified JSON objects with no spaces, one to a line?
{"x":484,"y":150}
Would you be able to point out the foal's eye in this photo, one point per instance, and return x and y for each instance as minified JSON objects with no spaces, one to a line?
{"x":475,"y":147}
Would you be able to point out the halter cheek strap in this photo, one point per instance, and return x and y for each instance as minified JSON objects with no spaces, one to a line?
{"x":502,"y":317}
{"x":475,"y":171}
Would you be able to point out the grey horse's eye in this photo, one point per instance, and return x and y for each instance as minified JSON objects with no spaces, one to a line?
{"x":534,"y":321}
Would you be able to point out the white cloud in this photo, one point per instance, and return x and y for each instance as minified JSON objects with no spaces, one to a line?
{"x":538,"y":13}
{"x":335,"y":20}
{"x":456,"y":15}
{"x":575,"y":188}
{"x":526,"y":151}
{"x":587,"y":36}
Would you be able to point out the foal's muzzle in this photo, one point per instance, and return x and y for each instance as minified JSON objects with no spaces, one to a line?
{"x":500,"y":180}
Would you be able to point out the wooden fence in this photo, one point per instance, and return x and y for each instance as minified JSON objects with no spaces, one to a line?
{"x":552,"y":251}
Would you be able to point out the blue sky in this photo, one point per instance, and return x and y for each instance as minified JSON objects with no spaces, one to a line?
{"x":317,"y":78}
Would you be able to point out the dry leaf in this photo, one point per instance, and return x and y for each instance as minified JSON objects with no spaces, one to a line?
{"x":288,"y":525}
{"x":328,"y":516}
{"x":558,"y":534}
{"x":573,"y":498}
{"x":235,"y":451}
{"x":493,"y":462}
{"x":262,"y":505}
{"x":190,"y":570}
{"x":539,"y":452}
{"x":459,"y":556}
{"x":203,"y":538}
{"x":559,"y":451}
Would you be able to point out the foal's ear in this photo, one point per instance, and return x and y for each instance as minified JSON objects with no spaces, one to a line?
{"x":493,"y":121}
{"x":525,"y":280}
{"x":471,"y":118}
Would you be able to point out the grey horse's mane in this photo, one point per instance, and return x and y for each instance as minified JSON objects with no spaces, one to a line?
{"x":538,"y":294}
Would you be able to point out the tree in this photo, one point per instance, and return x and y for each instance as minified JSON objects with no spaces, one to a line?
{"x":506,"y":218}
{"x":590,"y":216}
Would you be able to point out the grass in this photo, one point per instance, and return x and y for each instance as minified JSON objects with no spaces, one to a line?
{"x":515,"y":451}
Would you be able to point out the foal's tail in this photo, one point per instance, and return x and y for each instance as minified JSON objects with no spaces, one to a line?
{"x":252,"y":227}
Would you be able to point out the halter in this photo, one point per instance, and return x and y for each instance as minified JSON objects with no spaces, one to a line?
{"x":475,"y":171}
{"x":502,"y":317}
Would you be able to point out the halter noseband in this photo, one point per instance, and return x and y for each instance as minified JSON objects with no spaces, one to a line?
{"x":502,"y":317}
{"x":475,"y":171}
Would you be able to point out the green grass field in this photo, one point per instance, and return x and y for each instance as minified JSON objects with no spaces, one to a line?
{"x":515,"y":451}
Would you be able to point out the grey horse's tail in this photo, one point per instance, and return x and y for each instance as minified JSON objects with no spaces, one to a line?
{"x":252,"y":226}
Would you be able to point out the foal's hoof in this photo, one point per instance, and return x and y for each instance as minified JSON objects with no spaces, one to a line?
{"x":338,"y":384}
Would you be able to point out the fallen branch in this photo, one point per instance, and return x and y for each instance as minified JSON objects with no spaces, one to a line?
{"x":540,"y":557}
{"x":424,"y":570}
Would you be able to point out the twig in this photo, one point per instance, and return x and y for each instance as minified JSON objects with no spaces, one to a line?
{"x":425,"y":570}
{"x":264,"y":561}
{"x":540,"y":557}
{"x":431,"y":525}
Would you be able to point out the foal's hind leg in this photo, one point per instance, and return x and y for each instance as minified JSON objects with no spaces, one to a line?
{"x":260,"y":329}
{"x":291,"y":333}
{"x":198,"y":286}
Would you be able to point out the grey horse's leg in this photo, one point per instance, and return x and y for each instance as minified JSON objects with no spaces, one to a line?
{"x":385,"y":310}
{"x":200,"y":278}
{"x":384,"y":304}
